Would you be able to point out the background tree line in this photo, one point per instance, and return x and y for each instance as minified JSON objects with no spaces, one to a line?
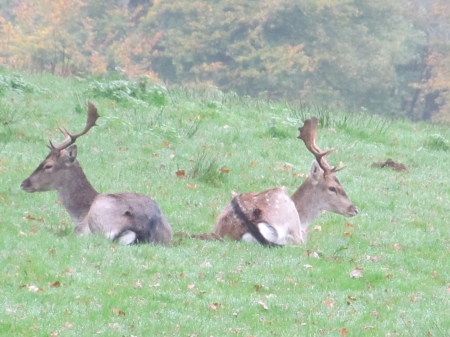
{"x":386,"y":57}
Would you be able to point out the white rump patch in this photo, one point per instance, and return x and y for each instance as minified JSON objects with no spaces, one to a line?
{"x":127,"y":238}
{"x":268,"y":232}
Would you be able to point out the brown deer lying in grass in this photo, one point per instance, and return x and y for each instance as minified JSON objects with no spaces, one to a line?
{"x":272,"y":218}
{"x":127,"y":217}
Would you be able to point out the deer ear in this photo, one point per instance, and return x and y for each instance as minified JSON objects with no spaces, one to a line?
{"x":315,"y":171}
{"x":70,"y":154}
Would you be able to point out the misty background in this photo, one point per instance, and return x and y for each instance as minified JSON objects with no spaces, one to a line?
{"x":389,"y":57}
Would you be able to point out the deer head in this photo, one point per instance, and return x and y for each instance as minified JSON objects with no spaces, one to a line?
{"x":49,"y":175}
{"x":322,"y":190}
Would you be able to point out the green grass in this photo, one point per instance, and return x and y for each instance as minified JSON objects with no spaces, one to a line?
{"x":53,"y":283}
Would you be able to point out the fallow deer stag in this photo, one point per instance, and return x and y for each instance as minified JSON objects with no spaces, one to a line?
{"x":127,"y":218}
{"x":272,"y":218}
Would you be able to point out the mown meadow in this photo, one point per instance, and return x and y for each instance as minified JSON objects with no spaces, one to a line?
{"x":384,"y":272}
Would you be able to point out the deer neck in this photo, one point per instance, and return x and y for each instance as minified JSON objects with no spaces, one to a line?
{"x":306,"y":203}
{"x":76,"y":193}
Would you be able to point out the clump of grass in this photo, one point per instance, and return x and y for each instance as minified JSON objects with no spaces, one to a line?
{"x":207,"y":169}
{"x":436,"y":142}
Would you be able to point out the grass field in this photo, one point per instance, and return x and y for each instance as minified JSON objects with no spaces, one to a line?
{"x":56,"y":284}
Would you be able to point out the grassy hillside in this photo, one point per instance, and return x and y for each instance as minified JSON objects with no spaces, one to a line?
{"x":53,"y":283}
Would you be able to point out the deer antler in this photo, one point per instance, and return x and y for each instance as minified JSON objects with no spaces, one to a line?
{"x":308,"y":133}
{"x":71,"y":138}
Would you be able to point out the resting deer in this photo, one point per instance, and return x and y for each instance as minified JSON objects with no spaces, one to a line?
{"x":272,"y":218}
{"x":127,"y":217}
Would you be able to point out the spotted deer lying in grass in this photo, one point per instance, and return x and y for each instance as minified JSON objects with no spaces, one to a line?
{"x":127,"y":217}
{"x":272,"y":218}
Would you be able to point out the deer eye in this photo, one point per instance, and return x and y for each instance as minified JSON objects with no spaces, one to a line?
{"x":48,"y":167}
{"x":332,"y":189}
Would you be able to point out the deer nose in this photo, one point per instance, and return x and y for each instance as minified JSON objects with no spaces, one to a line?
{"x":353,"y":210}
{"x":26,"y":185}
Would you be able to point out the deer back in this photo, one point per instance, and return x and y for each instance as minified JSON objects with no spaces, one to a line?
{"x":126,"y":217}
{"x":271,"y":209}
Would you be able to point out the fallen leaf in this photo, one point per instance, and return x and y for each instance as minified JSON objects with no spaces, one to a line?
{"x":264,"y":305}
{"x":165,"y":143}
{"x":365,"y":327}
{"x":214,"y":306}
{"x":180,"y":173}
{"x":191,"y":186}
{"x":373,"y":258}
{"x":343,"y":331}
{"x":254,"y":163}
{"x":205,"y":265}
{"x":329,"y":303}
{"x":356,"y":273}
{"x":415,"y":297}
{"x":224,"y":170}
{"x":118,"y":312}
{"x":55,"y":284}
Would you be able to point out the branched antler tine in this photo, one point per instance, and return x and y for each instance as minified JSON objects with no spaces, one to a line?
{"x":308,"y":133}
{"x":71,"y":138}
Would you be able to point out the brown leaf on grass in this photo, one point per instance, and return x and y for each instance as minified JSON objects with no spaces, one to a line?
{"x":180,"y":173}
{"x":55,"y":284}
{"x":118,"y":312}
{"x":329,"y":303}
{"x":343,"y":331}
{"x":224,"y":170}
{"x":414,"y":298}
{"x":373,"y":258}
{"x":254,"y":163}
{"x":263,"y":305}
{"x":256,"y":287}
{"x":397,"y":246}
{"x":191,"y":186}
{"x":166,"y":144}
{"x":214,"y":306}
{"x":356,"y":273}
